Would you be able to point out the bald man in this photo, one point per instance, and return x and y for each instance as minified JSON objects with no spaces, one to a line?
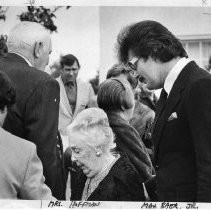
{"x":35,"y":116}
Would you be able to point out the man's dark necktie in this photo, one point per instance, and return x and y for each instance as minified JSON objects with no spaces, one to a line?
{"x":161,"y":104}
{"x":69,"y":84}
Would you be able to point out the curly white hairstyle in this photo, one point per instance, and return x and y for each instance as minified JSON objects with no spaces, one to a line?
{"x":93,"y":125}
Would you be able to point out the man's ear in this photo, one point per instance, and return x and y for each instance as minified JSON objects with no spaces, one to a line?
{"x":38,"y":47}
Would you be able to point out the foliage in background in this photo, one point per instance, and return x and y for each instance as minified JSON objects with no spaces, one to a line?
{"x":95,"y":83}
{"x":208,"y":67}
{"x":3,"y":38}
{"x":56,"y":68}
{"x":42,"y":15}
{"x":3,"y":46}
{"x":3,"y":11}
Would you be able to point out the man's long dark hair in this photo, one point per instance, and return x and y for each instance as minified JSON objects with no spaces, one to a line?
{"x":149,"y":39}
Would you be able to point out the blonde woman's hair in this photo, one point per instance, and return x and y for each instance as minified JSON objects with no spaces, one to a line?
{"x":92,"y":124}
{"x":115,"y":95}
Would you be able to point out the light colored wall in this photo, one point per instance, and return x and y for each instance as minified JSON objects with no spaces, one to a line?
{"x":78,"y":34}
{"x":179,"y":20}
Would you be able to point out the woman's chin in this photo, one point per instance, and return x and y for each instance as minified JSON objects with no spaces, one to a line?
{"x":88,"y":173}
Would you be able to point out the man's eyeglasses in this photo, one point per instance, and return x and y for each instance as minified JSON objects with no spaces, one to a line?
{"x":69,"y":69}
{"x":133,"y":63}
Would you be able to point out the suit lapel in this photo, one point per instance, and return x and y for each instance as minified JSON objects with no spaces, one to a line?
{"x":64,"y":103}
{"x":81,"y":93}
{"x":172,"y":101}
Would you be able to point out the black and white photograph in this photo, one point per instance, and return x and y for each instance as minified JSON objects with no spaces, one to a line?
{"x":105,"y":104}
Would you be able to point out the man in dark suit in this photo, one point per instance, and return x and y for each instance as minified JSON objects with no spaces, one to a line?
{"x":35,"y":115}
{"x":21,"y":174}
{"x":182,"y":134}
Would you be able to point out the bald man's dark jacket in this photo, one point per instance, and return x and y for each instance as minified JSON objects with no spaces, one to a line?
{"x":35,"y":116}
{"x":182,"y":138}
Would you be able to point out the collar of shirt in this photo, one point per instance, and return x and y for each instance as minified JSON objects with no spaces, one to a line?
{"x":92,"y":183}
{"x":174,"y":73}
{"x":70,"y":84}
{"x":27,"y":61}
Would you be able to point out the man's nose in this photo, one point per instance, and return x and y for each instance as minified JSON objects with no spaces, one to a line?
{"x":71,"y":73}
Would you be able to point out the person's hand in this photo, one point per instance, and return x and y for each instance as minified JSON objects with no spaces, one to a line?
{"x":145,"y":92}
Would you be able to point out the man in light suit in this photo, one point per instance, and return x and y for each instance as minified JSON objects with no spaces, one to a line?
{"x":21,"y":175}
{"x":75,"y":95}
{"x":35,"y":114}
{"x":182,"y":134}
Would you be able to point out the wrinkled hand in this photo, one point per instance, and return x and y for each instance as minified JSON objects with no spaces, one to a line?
{"x":145,"y":92}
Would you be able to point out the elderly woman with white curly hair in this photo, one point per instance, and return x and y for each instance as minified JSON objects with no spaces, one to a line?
{"x":108,"y":176}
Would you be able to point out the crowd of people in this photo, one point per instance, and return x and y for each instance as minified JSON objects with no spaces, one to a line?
{"x":57,"y":136}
